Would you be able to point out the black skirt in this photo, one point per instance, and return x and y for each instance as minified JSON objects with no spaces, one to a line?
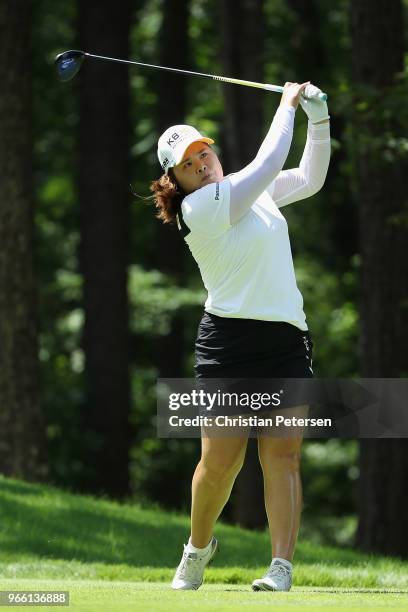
{"x":236,"y":348}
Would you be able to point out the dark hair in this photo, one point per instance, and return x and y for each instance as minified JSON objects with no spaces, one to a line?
{"x":167,"y":197}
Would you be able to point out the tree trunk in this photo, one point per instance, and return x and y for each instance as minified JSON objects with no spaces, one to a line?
{"x":316,"y":64}
{"x":242,"y":35}
{"x":378,"y":53}
{"x":241,"y":54}
{"x":104,"y":178}
{"x":23,"y":452}
{"x":170,"y":252}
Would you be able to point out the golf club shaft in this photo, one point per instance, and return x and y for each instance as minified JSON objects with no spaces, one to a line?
{"x":265,"y":86}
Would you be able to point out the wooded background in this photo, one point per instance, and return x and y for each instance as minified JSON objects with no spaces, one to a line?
{"x":98,"y":299}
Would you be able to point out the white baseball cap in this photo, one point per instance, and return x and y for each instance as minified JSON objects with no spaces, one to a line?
{"x":174,"y":142}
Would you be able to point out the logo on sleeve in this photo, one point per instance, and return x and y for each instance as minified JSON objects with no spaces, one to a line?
{"x":217,"y":191}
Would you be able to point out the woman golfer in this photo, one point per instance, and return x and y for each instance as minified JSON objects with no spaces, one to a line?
{"x":253,"y":323}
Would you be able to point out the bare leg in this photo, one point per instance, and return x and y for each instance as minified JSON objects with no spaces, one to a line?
{"x":220,"y":463}
{"x":280,"y":460}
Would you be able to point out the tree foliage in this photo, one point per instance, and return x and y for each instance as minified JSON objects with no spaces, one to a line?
{"x":301,"y":41}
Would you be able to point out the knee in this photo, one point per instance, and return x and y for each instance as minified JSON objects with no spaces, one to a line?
{"x":220,"y":470}
{"x":280,"y":461}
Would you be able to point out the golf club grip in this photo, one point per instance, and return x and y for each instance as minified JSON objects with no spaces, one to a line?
{"x":321,"y":96}
{"x":266,"y":86}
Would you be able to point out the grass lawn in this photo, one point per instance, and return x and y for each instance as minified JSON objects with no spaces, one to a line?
{"x":122,"y":557}
{"x":94,"y":595}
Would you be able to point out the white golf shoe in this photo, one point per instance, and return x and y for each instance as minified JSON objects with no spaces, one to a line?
{"x":277,"y":578}
{"x":190,"y":572}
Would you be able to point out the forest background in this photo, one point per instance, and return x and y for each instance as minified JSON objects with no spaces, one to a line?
{"x":98,"y":299}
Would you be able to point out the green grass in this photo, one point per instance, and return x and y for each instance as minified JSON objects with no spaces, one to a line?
{"x":123,"y":556}
{"x":87,"y":596}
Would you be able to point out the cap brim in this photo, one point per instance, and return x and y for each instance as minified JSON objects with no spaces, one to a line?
{"x":207,"y":140}
{"x":203,"y":139}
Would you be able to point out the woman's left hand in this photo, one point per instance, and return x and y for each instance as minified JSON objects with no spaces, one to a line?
{"x":315,"y":109}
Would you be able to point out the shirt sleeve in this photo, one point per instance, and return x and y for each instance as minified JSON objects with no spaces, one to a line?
{"x":248,"y":184}
{"x":207,"y":210}
{"x":306,"y":180}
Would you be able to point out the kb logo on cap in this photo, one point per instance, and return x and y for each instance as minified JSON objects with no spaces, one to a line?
{"x":171,"y":141}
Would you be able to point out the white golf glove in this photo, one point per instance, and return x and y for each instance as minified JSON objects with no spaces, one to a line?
{"x":315,"y":109}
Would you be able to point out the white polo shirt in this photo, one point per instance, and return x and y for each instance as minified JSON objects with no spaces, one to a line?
{"x":247,"y":268}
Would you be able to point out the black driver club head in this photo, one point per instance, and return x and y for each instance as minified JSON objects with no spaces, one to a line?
{"x":68,"y":64}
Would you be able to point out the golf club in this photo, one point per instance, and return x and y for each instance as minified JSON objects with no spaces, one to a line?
{"x":69,"y":63}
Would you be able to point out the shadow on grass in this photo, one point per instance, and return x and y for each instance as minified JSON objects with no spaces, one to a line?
{"x":49,"y":524}
{"x":20,"y":487}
